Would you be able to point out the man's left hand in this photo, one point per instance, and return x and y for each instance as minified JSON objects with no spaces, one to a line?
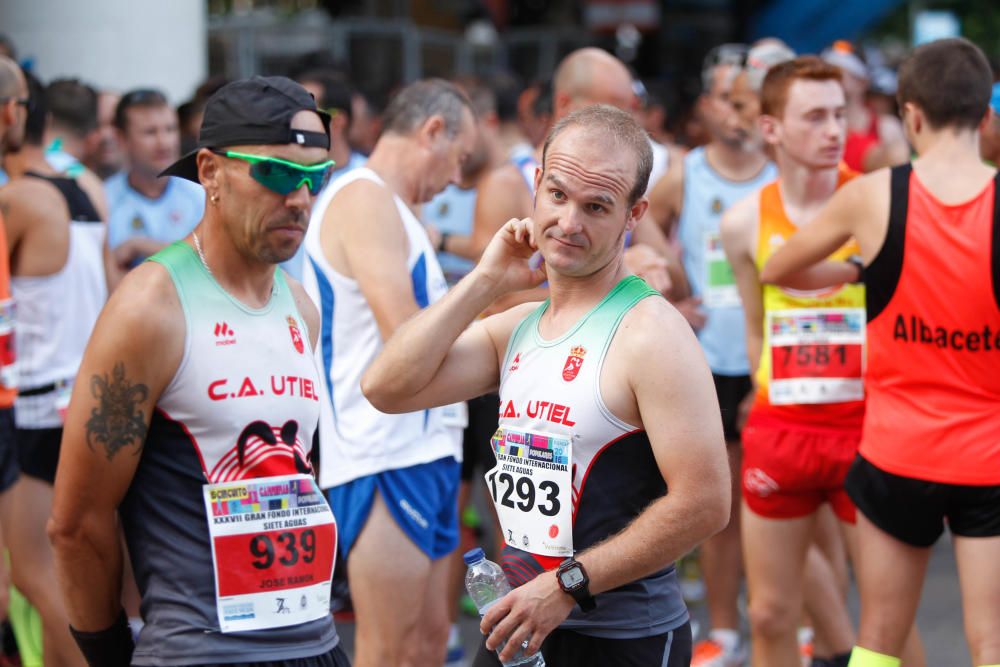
{"x":528,"y":613}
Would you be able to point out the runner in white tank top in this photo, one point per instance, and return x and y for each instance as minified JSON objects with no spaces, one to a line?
{"x":394,"y":478}
{"x":350,"y":341}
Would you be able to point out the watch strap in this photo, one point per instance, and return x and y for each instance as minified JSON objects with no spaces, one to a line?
{"x":584,"y":599}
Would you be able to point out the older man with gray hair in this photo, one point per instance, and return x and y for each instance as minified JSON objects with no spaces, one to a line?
{"x":392,"y":480}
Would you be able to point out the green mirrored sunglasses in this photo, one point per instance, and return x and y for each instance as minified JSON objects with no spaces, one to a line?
{"x":282,"y":176}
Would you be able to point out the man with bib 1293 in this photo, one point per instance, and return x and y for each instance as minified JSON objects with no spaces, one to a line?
{"x":610,"y":456}
{"x":197,"y":417}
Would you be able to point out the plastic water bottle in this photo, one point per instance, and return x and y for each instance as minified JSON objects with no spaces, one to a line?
{"x":486,"y":584}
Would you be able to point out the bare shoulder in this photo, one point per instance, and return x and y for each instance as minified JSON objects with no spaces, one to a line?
{"x":142,"y":327}
{"x":358,"y":204}
{"x":861,"y":208}
{"x":502,"y":178}
{"x":870,"y":183}
{"x":145,"y":310}
{"x":865,"y":196}
{"x":665,"y":196}
{"x":307,"y":309}
{"x":362,"y":231}
{"x":654,"y":328}
{"x":503,"y":194}
{"x":500,"y":326}
{"x":653,"y":352}
{"x":31,"y":200}
{"x":25,"y":192}
{"x":739,"y":222}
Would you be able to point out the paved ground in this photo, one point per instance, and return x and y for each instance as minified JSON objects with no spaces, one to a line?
{"x":939,"y":618}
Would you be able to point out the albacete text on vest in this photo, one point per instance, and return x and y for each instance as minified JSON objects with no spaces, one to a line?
{"x":913,"y":329}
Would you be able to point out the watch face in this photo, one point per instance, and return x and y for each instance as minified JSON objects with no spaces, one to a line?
{"x":572,"y":577}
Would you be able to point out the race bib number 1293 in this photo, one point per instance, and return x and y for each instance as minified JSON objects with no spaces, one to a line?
{"x":532,"y":490}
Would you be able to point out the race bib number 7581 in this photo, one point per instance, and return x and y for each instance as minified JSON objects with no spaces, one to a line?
{"x":817,"y":355}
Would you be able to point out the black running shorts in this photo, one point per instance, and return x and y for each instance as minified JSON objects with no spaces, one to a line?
{"x":565,"y":648}
{"x":38,"y":452}
{"x":914,"y":510}
{"x":731,"y":390}
{"x":8,"y":450}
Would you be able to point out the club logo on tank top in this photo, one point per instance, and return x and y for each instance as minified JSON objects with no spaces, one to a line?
{"x":224,"y":335}
{"x":263,"y":450}
{"x":573,"y":363}
{"x":293,"y":328}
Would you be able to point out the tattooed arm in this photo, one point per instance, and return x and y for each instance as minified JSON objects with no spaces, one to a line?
{"x":133,"y":353}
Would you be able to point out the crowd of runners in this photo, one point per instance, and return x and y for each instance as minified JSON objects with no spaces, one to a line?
{"x":250,"y":385}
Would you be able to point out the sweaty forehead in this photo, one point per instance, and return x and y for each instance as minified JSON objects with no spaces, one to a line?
{"x":584,"y":159}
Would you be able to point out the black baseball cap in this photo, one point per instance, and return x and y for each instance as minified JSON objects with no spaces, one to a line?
{"x":254,"y":111}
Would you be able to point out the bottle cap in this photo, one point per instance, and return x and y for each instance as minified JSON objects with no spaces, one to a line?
{"x":473,"y":556}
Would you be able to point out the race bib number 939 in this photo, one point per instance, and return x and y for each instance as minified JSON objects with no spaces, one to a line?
{"x":273,"y":545}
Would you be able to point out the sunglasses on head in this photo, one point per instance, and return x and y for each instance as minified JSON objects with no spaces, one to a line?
{"x":282,"y":176}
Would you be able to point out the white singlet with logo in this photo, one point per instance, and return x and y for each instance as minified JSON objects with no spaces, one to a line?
{"x":357,"y":440}
{"x":554,"y":425}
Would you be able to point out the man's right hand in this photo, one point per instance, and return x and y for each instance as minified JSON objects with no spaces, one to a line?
{"x":506,"y":262}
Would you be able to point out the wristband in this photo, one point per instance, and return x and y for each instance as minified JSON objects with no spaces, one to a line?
{"x":111,"y":647}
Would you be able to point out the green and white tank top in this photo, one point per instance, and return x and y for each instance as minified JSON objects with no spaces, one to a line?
{"x":570,"y":473}
{"x":242,"y":406}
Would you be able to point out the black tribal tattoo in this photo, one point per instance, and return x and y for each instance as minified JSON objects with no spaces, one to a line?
{"x":117,"y":422}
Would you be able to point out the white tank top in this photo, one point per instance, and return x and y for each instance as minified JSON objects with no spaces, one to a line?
{"x":242,"y":368}
{"x":55,"y":315}
{"x":554,"y":385}
{"x":243,"y":404}
{"x":356,"y":439}
{"x":550,"y":392}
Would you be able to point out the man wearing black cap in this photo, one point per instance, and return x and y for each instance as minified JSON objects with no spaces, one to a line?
{"x":195,"y":413}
